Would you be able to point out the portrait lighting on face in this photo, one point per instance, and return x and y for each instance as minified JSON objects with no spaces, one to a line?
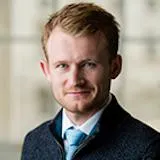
{"x":80,"y":44}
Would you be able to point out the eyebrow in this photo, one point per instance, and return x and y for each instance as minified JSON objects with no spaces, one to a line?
{"x":59,"y":62}
{"x":80,"y":62}
{"x":89,"y":59}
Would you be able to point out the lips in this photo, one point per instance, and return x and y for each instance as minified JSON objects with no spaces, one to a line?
{"x":78,"y":92}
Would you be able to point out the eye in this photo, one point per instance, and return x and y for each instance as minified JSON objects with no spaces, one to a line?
{"x":62,"y":66}
{"x":90,"y":65}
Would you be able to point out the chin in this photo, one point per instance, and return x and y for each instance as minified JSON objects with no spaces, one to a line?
{"x":78,"y":107}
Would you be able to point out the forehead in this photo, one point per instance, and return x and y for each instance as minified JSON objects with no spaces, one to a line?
{"x":61,"y":42}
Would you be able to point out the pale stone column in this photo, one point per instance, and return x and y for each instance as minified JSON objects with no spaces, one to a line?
{"x":4,"y":70}
{"x":29,"y":93}
{"x":142,"y":30}
{"x":23,"y":50}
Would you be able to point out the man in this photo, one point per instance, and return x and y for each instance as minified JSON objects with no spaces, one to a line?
{"x":80,"y":45}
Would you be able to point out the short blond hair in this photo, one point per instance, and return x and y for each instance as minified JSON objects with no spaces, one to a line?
{"x":80,"y":19}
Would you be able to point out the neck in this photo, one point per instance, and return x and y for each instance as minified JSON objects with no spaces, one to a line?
{"x":78,"y":118}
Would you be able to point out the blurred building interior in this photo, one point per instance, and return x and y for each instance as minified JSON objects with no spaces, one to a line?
{"x":25,"y":97}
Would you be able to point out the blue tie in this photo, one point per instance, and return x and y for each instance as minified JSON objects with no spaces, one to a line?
{"x":74,"y":137}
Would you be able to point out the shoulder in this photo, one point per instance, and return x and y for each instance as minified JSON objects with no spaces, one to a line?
{"x":129,"y":125}
{"x":34,"y":140}
{"x":131,"y":134}
{"x":139,"y":137}
{"x":36,"y":136}
{"x":36,"y":133}
{"x":139,"y":128}
{"x":46,"y":130}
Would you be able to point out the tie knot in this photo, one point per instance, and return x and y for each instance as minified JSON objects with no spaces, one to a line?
{"x":74,"y":136}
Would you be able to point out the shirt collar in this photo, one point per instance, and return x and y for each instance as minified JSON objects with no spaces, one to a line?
{"x":66,"y":123}
{"x":88,"y":125}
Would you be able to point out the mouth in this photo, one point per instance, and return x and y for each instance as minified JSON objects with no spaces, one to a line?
{"x":78,"y":93}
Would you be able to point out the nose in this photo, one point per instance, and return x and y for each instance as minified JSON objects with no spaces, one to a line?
{"x":76,"y":77}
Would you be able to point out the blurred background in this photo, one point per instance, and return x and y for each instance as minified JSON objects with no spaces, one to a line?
{"x":25,"y":97}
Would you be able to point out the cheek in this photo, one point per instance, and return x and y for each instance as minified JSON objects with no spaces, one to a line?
{"x":101,"y":81}
{"x":97,"y":77}
{"x":95,"y":81}
{"x":56,"y":83}
{"x":57,"y":89}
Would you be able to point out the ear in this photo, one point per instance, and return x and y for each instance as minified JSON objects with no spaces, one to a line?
{"x":45,"y":69}
{"x":116,"y":66}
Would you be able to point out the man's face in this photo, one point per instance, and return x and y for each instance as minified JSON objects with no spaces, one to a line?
{"x":78,"y":70}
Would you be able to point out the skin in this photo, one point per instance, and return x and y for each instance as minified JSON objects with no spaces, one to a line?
{"x":79,"y":72}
